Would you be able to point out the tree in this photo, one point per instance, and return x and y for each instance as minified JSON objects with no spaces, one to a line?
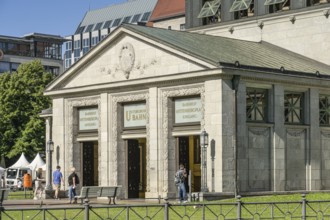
{"x":21,"y":102}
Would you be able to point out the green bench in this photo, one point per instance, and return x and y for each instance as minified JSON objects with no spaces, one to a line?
{"x":110,"y":192}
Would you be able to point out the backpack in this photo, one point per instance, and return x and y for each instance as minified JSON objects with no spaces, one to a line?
{"x":77,"y":179}
{"x":178,"y":178}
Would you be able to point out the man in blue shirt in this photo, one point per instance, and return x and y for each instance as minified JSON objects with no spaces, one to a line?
{"x":57,"y":180}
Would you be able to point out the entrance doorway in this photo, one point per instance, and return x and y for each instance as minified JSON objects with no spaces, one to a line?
{"x":90,"y":164}
{"x":189,"y":154}
{"x":136,"y":167}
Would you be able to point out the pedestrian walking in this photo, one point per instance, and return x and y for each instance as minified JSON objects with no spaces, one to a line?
{"x":73,"y":180}
{"x":57,"y":180}
{"x":180,"y":177}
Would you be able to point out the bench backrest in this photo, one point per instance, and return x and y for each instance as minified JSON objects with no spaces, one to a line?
{"x":89,"y":191}
{"x":99,"y":191}
{"x":107,"y":191}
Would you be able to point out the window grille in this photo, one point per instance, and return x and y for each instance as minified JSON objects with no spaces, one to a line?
{"x":294,"y":108}
{"x":324,"y":108}
{"x":256,"y":104}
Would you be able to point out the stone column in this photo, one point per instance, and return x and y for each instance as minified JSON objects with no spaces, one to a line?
{"x":152,"y":166}
{"x":314,"y":164}
{"x":278,"y":156}
{"x":104,"y":148}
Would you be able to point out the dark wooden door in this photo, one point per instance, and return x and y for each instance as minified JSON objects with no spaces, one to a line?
{"x":88,"y":164}
{"x":184,"y":155}
{"x":133,"y":172}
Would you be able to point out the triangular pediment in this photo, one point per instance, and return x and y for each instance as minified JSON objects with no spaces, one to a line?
{"x":126,"y":56}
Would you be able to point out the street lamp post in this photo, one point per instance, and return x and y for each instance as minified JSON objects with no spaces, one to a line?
{"x":204,"y":139}
{"x":49,"y":150}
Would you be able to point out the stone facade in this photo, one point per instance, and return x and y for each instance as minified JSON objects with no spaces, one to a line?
{"x":127,"y":67}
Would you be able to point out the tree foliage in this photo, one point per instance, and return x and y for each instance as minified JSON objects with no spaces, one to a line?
{"x":21,"y":102}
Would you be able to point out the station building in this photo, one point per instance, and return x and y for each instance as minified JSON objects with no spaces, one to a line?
{"x":133,"y":108}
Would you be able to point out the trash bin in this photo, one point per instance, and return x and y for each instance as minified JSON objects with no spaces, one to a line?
{"x":27,"y":182}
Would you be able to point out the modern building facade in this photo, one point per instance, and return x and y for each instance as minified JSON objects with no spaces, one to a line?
{"x":16,"y":50}
{"x":98,"y":23}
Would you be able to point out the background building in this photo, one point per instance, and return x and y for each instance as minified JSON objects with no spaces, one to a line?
{"x":16,"y":50}
{"x":98,"y":23}
{"x":169,"y":14}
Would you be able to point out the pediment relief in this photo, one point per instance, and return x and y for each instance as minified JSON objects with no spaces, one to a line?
{"x":128,"y":59}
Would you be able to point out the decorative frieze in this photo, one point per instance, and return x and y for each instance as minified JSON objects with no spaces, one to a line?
{"x":295,"y":132}
{"x":259,"y":131}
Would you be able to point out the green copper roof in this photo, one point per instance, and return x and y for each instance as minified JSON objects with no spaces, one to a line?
{"x":226,"y":51}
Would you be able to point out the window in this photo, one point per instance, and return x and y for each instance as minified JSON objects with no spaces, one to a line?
{"x":68,"y":45}
{"x":76,"y":50}
{"x":127,"y":19}
{"x":80,"y":30}
{"x":67,"y":63}
{"x":4,"y":67}
{"x":293,"y":108}
{"x":98,"y":26}
{"x":324,"y":107}
{"x":116,"y":22}
{"x":146,"y":16}
{"x":210,"y":12}
{"x":242,"y":8}
{"x":107,"y":24}
{"x":14,"y":67}
{"x":277,"y":5}
{"x":76,"y":44}
{"x":182,"y":27}
{"x":95,"y":40}
{"x":256,"y":105}
{"x":53,"y":70}
{"x":89,"y":28}
{"x":85,"y":45}
{"x":76,"y":54}
{"x":136,"y":18}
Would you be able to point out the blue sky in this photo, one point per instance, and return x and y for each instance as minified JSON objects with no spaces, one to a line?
{"x":57,"y":17}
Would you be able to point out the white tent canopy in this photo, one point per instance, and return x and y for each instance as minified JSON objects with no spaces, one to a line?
{"x":37,"y":162}
{"x":21,"y":162}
